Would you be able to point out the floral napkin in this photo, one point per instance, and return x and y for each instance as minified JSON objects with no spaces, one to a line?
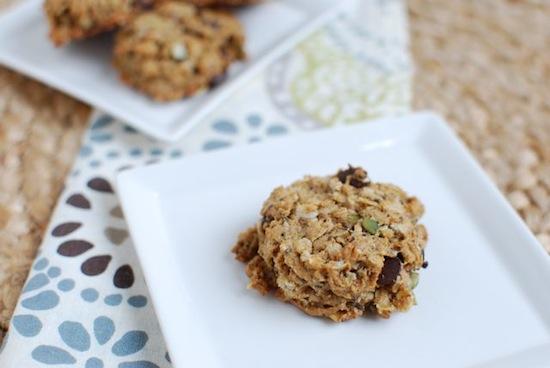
{"x":85,"y":303}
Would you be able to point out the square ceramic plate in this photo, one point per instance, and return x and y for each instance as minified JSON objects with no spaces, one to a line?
{"x":483,"y":302}
{"x":84,"y":69}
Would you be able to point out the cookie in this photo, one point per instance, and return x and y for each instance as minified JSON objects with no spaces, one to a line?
{"x":206,"y":3}
{"x":177,"y":50}
{"x":338,"y":246}
{"x":77,"y":19}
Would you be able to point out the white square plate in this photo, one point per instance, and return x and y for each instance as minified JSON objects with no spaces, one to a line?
{"x":483,"y":301}
{"x":84,"y":69}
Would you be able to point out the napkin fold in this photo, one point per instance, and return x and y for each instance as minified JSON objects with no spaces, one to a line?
{"x":85,"y":303}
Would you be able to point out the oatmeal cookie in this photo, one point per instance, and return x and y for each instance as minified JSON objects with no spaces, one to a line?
{"x":77,"y":19}
{"x":337,"y":246}
{"x":177,"y":50}
{"x":206,"y":3}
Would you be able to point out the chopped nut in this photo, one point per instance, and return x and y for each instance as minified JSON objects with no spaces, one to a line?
{"x":86,"y":23}
{"x":334,"y":248}
{"x":306,"y":214}
{"x":178,"y":52}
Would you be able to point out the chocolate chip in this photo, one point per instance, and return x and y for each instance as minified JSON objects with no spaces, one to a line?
{"x":390,"y":271}
{"x":213,"y":23}
{"x":266,"y":220}
{"x":358,"y":177}
{"x":401,"y":258}
{"x":425,"y":263}
{"x":217,"y":80}
{"x":143,"y":4}
{"x":357,"y":183}
{"x":343,"y":174}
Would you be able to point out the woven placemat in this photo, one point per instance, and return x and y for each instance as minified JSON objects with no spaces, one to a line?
{"x":40,"y":132}
{"x":485,"y":66}
{"x":476,"y":65}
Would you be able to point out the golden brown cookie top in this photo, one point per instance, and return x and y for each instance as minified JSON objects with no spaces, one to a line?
{"x":338,"y":246}
{"x":175,"y":50}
